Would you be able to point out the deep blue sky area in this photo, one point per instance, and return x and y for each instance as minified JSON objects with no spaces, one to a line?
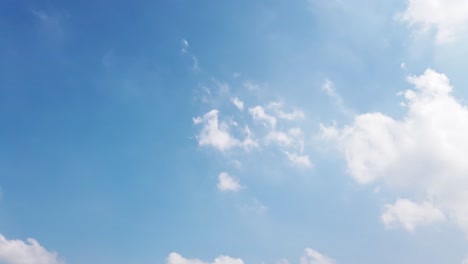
{"x":233,"y":132}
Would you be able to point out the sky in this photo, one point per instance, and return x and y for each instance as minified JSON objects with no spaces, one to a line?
{"x":233,"y":132}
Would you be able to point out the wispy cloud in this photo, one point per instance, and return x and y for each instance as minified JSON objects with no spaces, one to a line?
{"x":52,"y":23}
{"x":185,"y":50}
{"x":329,"y":88}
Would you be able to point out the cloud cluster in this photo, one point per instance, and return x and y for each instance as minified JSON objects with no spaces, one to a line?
{"x":175,"y":258}
{"x":215,"y":133}
{"x":311,"y":256}
{"x":30,"y":252}
{"x":424,"y":153}
{"x":448,"y":17}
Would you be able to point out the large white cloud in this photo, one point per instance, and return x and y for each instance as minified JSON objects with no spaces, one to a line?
{"x":175,"y":258}
{"x":29,"y":252}
{"x":448,"y":17}
{"x":424,"y":153}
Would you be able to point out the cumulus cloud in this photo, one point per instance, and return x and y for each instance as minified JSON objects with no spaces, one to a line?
{"x":409,"y":215}
{"x":448,"y":17}
{"x":30,"y":252}
{"x":175,"y":258}
{"x":424,"y":152}
{"x":227,"y":183}
{"x":215,"y":133}
{"x":312,"y":256}
{"x":258,"y":114}
{"x":238,"y":103}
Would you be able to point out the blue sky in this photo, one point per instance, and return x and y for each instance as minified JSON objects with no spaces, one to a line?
{"x":232,"y":132}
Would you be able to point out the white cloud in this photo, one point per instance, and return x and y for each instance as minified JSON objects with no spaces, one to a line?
{"x":465,"y":261}
{"x":313,"y":257}
{"x":424,"y":152}
{"x":300,"y":160}
{"x":448,"y":17}
{"x":280,"y":137}
{"x":29,"y":252}
{"x":292,"y":138}
{"x":216,"y":134}
{"x":294,"y":115}
{"x":258,"y":114}
{"x":409,"y":215}
{"x":227,"y":183}
{"x":175,"y":258}
{"x":238,"y":103}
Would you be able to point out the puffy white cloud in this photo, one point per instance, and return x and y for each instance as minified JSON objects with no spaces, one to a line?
{"x":258,"y":114}
{"x":238,"y":103}
{"x":29,"y":252}
{"x":312,"y":256}
{"x":175,"y":258}
{"x":216,"y":134}
{"x":300,"y":160}
{"x":409,"y":215}
{"x":448,"y":17}
{"x":227,"y":183}
{"x":424,"y":152}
